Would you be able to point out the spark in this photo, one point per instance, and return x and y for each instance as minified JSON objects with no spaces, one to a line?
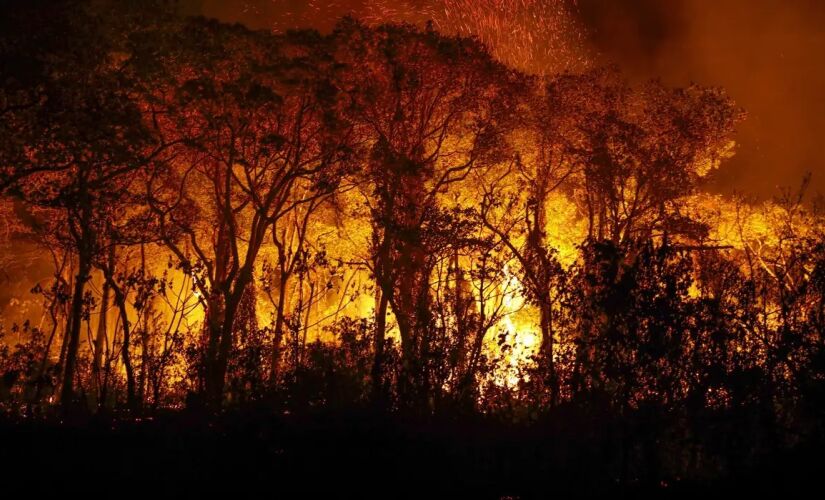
{"x":536,"y":36}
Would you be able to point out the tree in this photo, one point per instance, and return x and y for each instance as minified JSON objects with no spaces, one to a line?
{"x":262,"y":135}
{"x":514,"y":207}
{"x":430,"y":109}
{"x":642,"y":150}
{"x":79,"y":135}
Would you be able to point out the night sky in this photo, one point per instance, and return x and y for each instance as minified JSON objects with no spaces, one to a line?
{"x":768,"y":54}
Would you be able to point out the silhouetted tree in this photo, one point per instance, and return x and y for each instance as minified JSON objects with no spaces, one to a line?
{"x":430,"y":109}
{"x":78,"y":139}
{"x":261,"y":136}
{"x":642,"y":150}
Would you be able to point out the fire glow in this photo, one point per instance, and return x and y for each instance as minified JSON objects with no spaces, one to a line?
{"x":446,"y":211}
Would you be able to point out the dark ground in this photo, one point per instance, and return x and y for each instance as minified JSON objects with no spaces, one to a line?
{"x":344,"y":456}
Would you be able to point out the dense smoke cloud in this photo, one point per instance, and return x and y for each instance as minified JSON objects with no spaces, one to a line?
{"x":766,"y":53}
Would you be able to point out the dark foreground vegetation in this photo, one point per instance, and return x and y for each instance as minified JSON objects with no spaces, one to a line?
{"x":377,"y":262}
{"x":364,"y":455}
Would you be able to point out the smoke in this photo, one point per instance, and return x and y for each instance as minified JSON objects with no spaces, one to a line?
{"x":768,"y":55}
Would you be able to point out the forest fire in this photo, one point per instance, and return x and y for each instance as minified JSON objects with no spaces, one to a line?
{"x":376,"y":224}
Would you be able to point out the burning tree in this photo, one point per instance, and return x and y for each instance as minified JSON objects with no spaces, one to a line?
{"x":261,"y":136}
{"x":431,"y":110}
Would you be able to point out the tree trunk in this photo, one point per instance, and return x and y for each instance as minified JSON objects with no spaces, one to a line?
{"x":144,"y":360}
{"x":224,"y":348}
{"x":102,"y":332}
{"x":144,"y":334}
{"x":378,"y":344}
{"x":546,"y":321}
{"x":131,"y":396}
{"x":220,"y":341}
{"x":215,"y":315}
{"x":280,"y":311}
{"x":41,"y":371}
{"x":73,"y":329}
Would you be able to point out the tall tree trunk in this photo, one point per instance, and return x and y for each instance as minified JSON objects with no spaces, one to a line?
{"x":64,"y":341}
{"x":41,"y":371}
{"x":132,"y":401}
{"x":475,"y":351}
{"x":547,"y":347}
{"x":305,"y":326}
{"x":102,"y":331}
{"x":144,"y":362}
{"x":144,"y":334}
{"x":411,"y":306}
{"x":537,"y":251}
{"x":377,"y":373}
{"x":280,"y":311}
{"x":222,"y":358}
{"x":214,"y":329}
{"x":131,"y":394}
{"x":226,"y":336}
{"x":383,"y":284}
{"x":73,"y":328}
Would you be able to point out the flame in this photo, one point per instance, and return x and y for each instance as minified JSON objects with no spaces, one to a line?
{"x":519,"y":329}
